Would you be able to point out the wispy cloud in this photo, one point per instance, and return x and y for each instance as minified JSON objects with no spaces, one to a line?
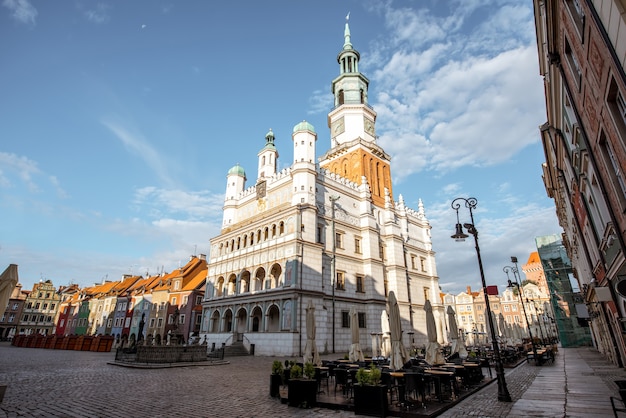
{"x":463,"y":98}
{"x":99,"y":14}
{"x":21,"y":10}
{"x":18,"y":171}
{"x":138,"y":145}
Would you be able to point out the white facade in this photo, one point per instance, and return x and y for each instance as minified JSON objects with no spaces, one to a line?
{"x":275,"y":251}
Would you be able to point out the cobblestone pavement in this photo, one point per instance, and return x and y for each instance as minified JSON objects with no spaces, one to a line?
{"x":485,"y":402}
{"x":60,"y":383}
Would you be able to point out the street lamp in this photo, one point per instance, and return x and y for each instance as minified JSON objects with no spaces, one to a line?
{"x":470,"y":203}
{"x":519,"y":294}
{"x":333,"y":273}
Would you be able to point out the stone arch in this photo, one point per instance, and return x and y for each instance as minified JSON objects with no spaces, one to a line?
{"x":241,"y":320}
{"x":275,"y":276}
{"x":281,"y":228}
{"x":259,"y":277}
{"x":273,"y":318}
{"x":227,"y":321}
{"x":231,"y":286}
{"x":214,"y":322}
{"x":256,"y":319}
{"x":244,"y":281}
{"x":219,"y":286}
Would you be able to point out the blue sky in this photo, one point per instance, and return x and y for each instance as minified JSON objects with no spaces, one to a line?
{"x":119,"y":121}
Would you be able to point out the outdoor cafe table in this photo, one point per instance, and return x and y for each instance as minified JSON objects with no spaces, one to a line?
{"x":399,"y":377}
{"x":439,"y":376}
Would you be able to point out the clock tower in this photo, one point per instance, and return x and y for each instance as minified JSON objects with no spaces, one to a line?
{"x":354,"y":153}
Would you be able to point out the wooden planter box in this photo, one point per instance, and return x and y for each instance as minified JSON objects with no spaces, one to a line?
{"x":302,"y":393}
{"x":275,"y":381}
{"x":370,"y":400}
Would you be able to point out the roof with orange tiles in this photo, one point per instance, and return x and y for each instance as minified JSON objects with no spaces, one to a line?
{"x":533,"y":258}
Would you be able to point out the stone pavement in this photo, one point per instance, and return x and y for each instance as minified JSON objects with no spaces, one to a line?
{"x":59,"y":383}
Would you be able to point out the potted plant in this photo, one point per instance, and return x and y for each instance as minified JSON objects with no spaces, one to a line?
{"x":370,"y":396}
{"x":302,"y":389}
{"x":276,"y":378}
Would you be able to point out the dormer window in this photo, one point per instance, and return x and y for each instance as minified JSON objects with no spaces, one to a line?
{"x":177,"y":285}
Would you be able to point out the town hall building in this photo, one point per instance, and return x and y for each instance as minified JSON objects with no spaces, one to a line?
{"x":325,"y":230}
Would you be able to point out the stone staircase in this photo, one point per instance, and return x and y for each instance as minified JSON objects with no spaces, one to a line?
{"x":236,"y":349}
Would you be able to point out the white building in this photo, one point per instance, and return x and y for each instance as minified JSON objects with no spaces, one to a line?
{"x":281,"y":235}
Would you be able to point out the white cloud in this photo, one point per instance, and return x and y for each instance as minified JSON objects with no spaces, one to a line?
{"x":99,"y":14}
{"x":21,"y":10}
{"x":138,"y":145}
{"x":20,"y":171}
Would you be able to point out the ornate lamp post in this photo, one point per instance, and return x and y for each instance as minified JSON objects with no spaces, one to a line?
{"x":333,"y":272}
{"x":470,"y":204}
{"x":517,"y":284}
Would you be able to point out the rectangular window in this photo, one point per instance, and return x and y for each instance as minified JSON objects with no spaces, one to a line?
{"x":26,"y":318}
{"x":341,"y":281}
{"x":181,"y":319}
{"x":423,"y":263}
{"x":360,"y":287}
{"x":345,"y":319}
{"x":152,"y":322}
{"x":507,"y":308}
{"x":11,"y":317}
{"x":52,"y":306}
{"x":170,"y":319}
{"x":362,"y":323}
{"x":338,"y":240}
{"x":37,"y":305}
{"x":514,"y":308}
{"x":198,"y":319}
{"x":426,"y":294}
{"x":110,"y":323}
{"x":160,"y":323}
{"x":357,"y":245}
{"x":320,"y":234}
{"x":574,"y":65}
{"x":614,"y":171}
{"x":127,"y":322}
{"x":413,"y":262}
{"x":578,"y":16}
{"x":198,"y":300}
{"x":185,"y":300}
{"x":174,"y":299}
{"x":15,"y":306}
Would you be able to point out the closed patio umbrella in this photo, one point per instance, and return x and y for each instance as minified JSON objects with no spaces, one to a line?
{"x":456,"y":344}
{"x":355,"y":353}
{"x":398,"y":355}
{"x":385,"y":344}
{"x":310,"y":350}
{"x":433,"y":349}
{"x":8,"y":280}
{"x":503,"y":328}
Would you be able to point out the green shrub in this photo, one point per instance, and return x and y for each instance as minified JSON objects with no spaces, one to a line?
{"x":309,"y":370}
{"x":296,"y":372}
{"x":277,"y":367}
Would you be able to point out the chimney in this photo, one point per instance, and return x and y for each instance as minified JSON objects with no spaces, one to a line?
{"x":469,"y":290}
{"x":202,"y":256}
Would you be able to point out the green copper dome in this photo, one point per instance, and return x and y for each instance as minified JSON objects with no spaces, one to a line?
{"x":304,"y":126}
{"x":237,"y":170}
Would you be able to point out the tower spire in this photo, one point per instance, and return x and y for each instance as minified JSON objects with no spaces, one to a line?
{"x":346,"y":34}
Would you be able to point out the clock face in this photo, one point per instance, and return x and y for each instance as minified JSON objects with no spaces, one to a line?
{"x":369,"y":126}
{"x":337,"y":127}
